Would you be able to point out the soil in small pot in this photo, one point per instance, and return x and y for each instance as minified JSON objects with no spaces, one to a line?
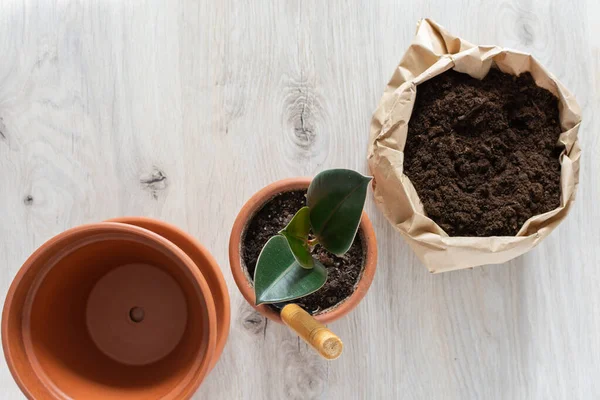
{"x":483,"y":155}
{"x":343,"y":273}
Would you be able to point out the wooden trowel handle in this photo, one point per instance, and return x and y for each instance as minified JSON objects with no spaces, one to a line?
{"x":327,"y":343}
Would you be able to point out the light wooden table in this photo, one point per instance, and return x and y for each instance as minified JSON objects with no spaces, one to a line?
{"x":181,"y":111}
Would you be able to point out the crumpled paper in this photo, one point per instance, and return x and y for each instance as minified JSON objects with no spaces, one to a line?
{"x":433,"y":51}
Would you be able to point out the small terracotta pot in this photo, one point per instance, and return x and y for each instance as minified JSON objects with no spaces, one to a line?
{"x":114,"y":310}
{"x":240,"y":273}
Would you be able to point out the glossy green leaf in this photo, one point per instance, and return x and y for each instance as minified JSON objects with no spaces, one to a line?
{"x":279,"y":277}
{"x":296,"y":233}
{"x":336,"y":198}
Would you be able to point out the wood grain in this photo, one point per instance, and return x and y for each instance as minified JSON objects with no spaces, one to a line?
{"x":182,"y":109}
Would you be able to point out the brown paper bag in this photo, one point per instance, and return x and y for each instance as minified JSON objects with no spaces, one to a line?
{"x":432,"y":52}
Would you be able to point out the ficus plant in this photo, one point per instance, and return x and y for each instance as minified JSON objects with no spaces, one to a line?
{"x":286,"y":269}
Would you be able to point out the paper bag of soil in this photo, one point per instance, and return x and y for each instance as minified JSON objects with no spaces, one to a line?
{"x":432,"y":52}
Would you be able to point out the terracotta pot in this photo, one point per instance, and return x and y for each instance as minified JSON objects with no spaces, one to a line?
{"x":111,"y":310}
{"x":240,"y":273}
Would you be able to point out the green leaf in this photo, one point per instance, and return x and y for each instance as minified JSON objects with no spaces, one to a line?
{"x":278,"y":276}
{"x":336,"y":198}
{"x":296,"y":233}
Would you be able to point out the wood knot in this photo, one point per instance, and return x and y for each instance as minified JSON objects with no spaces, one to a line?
{"x":305,"y":375}
{"x":526,"y":24}
{"x":525,"y":32}
{"x":2,"y":129}
{"x":154,"y":182}
{"x":28,"y":200}
{"x":304,"y":110}
{"x":252,"y":321}
{"x":304,"y":132}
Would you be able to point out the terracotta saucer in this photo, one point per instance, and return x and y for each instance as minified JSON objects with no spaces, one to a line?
{"x":205,"y":262}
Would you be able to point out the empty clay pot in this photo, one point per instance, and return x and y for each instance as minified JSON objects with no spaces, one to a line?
{"x":240,"y":273}
{"x":111,"y":310}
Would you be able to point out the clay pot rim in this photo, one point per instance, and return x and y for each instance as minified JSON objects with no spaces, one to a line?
{"x":223,"y":323}
{"x":201,"y":368}
{"x":239,"y":273}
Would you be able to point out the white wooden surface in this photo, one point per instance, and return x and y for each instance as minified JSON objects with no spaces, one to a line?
{"x":221,"y":98}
